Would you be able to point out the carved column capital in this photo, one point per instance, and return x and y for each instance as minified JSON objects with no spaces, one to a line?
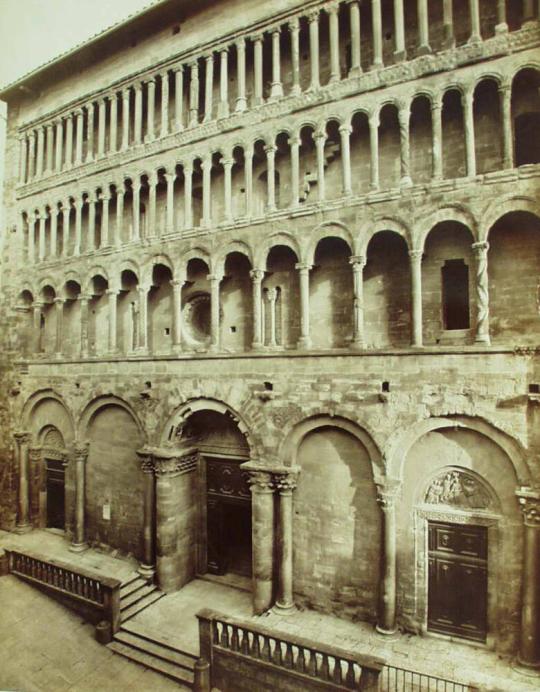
{"x":416,"y":255}
{"x":146,"y":459}
{"x":303,"y":266}
{"x":387,"y":494}
{"x":257,"y":274}
{"x":357,"y":261}
{"x":174,"y":462}
{"x":529,"y":500}
{"x":294,"y":24}
{"x":261,"y":482}
{"x":313,"y":15}
{"x":22,"y":437}
{"x":481,"y":247}
{"x":285,"y":480}
{"x":35,"y":454}
{"x":80,"y":453}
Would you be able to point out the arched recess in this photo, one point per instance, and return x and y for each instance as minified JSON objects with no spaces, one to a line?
{"x":458,"y":489}
{"x":280,"y":298}
{"x":389,"y":147}
{"x":26,"y":331}
{"x":98,"y":314}
{"x":514,"y":278}
{"x":488,"y":133}
{"x":337,"y":521}
{"x":47,"y":407}
{"x":236,"y":302}
{"x":51,"y":477}
{"x":196,"y":304}
{"x":526,"y":116}
{"x":160,"y":309}
{"x":421,"y":139}
{"x":114,"y":481}
{"x":453,"y":135}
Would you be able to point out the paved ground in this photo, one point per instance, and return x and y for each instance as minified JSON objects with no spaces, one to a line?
{"x":44,"y":647}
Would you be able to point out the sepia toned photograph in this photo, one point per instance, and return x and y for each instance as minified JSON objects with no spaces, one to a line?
{"x":270,"y":345}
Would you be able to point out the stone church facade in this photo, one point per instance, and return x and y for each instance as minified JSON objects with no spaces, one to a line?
{"x":270,"y":286}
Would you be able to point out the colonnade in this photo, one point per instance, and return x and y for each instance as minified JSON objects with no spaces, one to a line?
{"x":114,"y":121}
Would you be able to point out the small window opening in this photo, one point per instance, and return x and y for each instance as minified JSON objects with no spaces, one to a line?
{"x":385,"y":387}
{"x":534,"y":389}
{"x":167,"y":331}
{"x":455,"y":294}
{"x":148,"y":385}
{"x":268,"y":386}
{"x":233,"y":330}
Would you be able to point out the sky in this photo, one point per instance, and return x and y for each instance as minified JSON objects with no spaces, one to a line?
{"x":33,"y":32}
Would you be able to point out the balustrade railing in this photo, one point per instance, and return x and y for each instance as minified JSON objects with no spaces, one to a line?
{"x":394,"y":679}
{"x":100,"y":594}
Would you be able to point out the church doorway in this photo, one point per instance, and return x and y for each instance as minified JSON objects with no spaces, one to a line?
{"x":458,"y":578}
{"x":55,"y":488}
{"x":228,"y":522}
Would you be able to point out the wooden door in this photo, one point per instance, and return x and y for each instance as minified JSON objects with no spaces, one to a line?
{"x":457,"y":587}
{"x":55,"y":494}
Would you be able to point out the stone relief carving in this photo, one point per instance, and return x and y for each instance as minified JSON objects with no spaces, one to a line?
{"x":458,"y":488}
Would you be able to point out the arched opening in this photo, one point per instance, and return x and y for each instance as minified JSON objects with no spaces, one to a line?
{"x":47,"y":322}
{"x":54,"y":482}
{"x":128,"y":337}
{"x":260,"y":175}
{"x":196,"y":305}
{"x":387,"y":293}
{"x":236,"y":303}
{"x":239,"y":196}
{"x":280,"y":304}
{"x":336,"y":496}
{"x":26,"y":322}
{"x":331,"y":294}
{"x":421,"y":140}
{"x":526,"y":116}
{"x":487,"y":126}
{"x":389,"y":147}
{"x":333,"y":177}
{"x":360,"y":153}
{"x":71,"y":327}
{"x":160,"y":308}
{"x":514,"y":279}
{"x":448,"y":293}
{"x":453,"y":135}
{"x":98,"y":315}
{"x":308,"y":166}
{"x":282,"y":182}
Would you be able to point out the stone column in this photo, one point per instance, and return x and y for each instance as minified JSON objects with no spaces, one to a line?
{"x":32,"y":220}
{"x":294,"y":29}
{"x":416,"y":302}
{"x":66,"y":211}
{"x":276,"y":90}
{"x":36,"y":309}
{"x":468,"y":121}
{"x":23,"y":154}
{"x":40,"y":151}
{"x":147,"y":565}
{"x":215,"y":280}
{"x":170,"y":178}
{"x":91,"y":235}
{"x":285,"y":484}
{"x":150,"y":109}
{"x":152,"y":184}
{"x":332,"y":10}
{"x":31,"y":156}
{"x":423,"y":28}
{"x":80,"y":456}
{"x":59,"y":304}
{"x":474,"y":13}
{"x":84,"y":300}
{"x":320,"y":140}
{"x":271,"y":176}
{"x":164,"y":130}
{"x":54,"y":231}
{"x":374,"y":149}
{"x":248,"y":180}
{"x":294,"y":144}
{"x":113,"y":136}
{"x":59,"y":148}
{"x":271,"y":297}
{"x":119,"y":215}
{"x":529,"y":650}
{"x":448,"y":23}
{"x":227,"y":164}
{"x":376,"y":18}
{"x":305,"y":338}
{"x":143,"y":292}
{"x":505,"y":93}
{"x":241,"y":100}
{"x":136,"y":209}
{"x":137,"y":131}
{"x":502,"y":26}
{"x":482,"y":292}
{"x":194,"y":94}
{"x":42,"y":222}
{"x":262,"y":522}
{"x":188,"y":208}
{"x":179,"y":98}
{"x":177,"y":313}
{"x":257,"y":276}
{"x":112,"y":295}
{"x":23,"y":499}
{"x":404,"y":115}
{"x":206,"y":166}
{"x":258,"y":69}
{"x":358,"y":262}
{"x":313,"y":17}
{"x":400,"y":52}
{"x":50,"y":143}
{"x":436,"y":120}
{"x":386,"y":497}
{"x":90,"y":132}
{"x":105,"y":199}
{"x":223,"y":107}
{"x":125,"y":118}
{"x":208,"y":88}
{"x":102,"y":123}
{"x":354,"y":20}
{"x":79,"y":136}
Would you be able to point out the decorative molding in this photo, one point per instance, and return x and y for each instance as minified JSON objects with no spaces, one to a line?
{"x":458,"y":488}
{"x":175,"y":465}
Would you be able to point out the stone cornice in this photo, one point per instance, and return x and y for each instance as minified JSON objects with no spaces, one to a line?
{"x":443,"y":63}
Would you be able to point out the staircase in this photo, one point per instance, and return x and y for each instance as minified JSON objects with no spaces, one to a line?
{"x":137,"y":595}
{"x":331,"y":151}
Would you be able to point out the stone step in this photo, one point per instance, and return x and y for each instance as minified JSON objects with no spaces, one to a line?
{"x":136,"y":595}
{"x":157,"y":649}
{"x":131,"y":586}
{"x":141,"y":604}
{"x":139,"y":629}
{"x":171,"y":670}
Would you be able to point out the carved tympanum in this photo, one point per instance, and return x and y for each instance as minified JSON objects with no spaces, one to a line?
{"x":459,"y":489}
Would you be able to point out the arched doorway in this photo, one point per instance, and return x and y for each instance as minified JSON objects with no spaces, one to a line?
{"x":53,"y":488}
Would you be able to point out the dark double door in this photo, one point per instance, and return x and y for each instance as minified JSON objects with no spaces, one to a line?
{"x":228,"y":505}
{"x":457,"y":588}
{"x":55,"y":494}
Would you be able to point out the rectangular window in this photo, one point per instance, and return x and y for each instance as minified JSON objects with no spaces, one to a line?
{"x":455,"y":294}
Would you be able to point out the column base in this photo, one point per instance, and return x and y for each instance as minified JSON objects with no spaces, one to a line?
{"x":241,"y":105}
{"x":276,"y":91}
{"x":355,"y":71}
{"x":283,"y":608}
{"x":386,"y":632}
{"x":304,"y":342}
{"x":474,"y":40}
{"x":22,"y":528}
{"x":296,"y":91}
{"x":358,"y":345}
{"x":376,"y":65}
{"x":78,"y":547}
{"x":483,"y":339}
{"x":501,"y":28}
{"x":406,"y":181}
{"x":146,"y":571}
{"x":148,"y":139}
{"x":223,"y":110}
{"x":424,"y":50}
{"x":400,"y":55}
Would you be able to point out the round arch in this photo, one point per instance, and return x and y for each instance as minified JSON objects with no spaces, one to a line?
{"x":281,"y":238}
{"x":507,"y":205}
{"x":38,"y":398}
{"x":234,"y":246}
{"x":329,"y":229}
{"x":95,"y":404}
{"x":386,"y":223}
{"x":455,"y":213}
